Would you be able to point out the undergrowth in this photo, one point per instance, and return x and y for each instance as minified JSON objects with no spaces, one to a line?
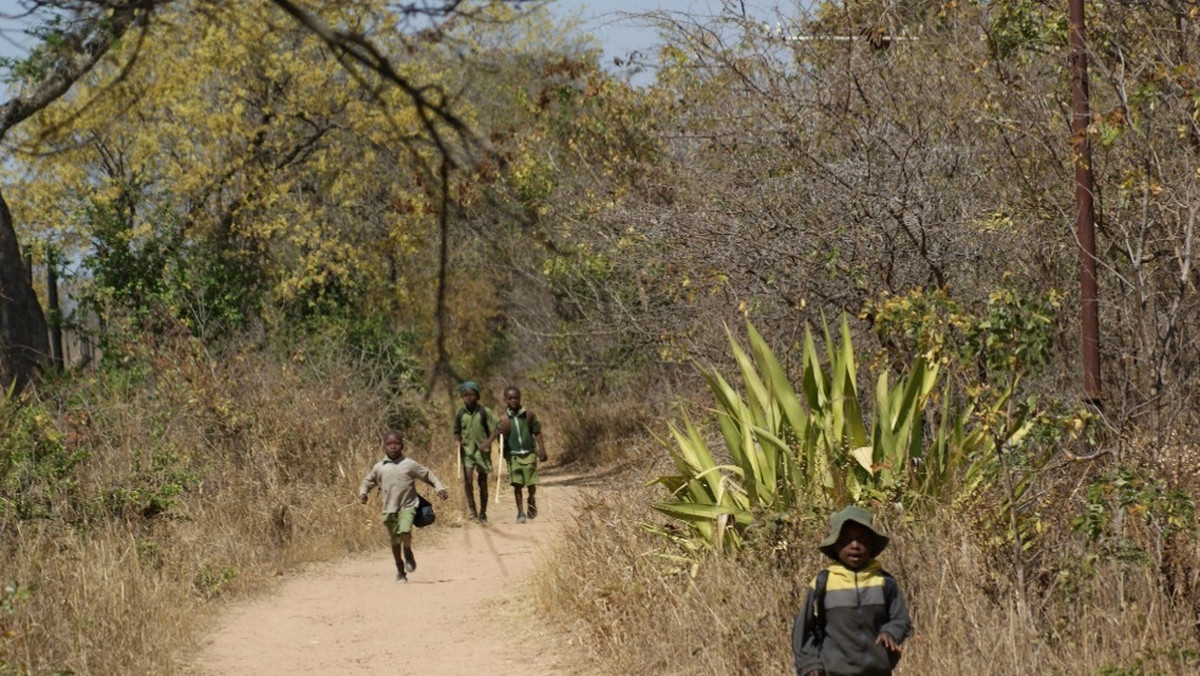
{"x":642,"y":605}
{"x":135,"y":500}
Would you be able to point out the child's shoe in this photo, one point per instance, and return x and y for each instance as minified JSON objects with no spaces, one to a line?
{"x":483,"y":518}
{"x":410,"y":561}
{"x":520,"y":518}
{"x":472,"y":515}
{"x":401,"y":577}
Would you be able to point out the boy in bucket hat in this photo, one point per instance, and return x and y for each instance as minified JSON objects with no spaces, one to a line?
{"x":854,"y":618}
{"x":473,"y":425}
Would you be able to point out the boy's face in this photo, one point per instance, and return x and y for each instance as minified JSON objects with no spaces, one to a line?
{"x":393,"y":446}
{"x":853,"y":546}
{"x":469,"y":398}
{"x":513,"y":399}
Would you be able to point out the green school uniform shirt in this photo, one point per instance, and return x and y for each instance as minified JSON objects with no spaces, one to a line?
{"x":523,"y":426}
{"x":469,"y":425}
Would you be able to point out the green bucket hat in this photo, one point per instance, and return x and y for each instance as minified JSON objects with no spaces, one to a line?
{"x":469,"y":385}
{"x":838,"y":521}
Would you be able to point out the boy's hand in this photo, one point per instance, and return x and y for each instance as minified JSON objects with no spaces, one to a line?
{"x":541,"y":454}
{"x":362,"y":499}
{"x":888,"y":642}
{"x":443,"y":494}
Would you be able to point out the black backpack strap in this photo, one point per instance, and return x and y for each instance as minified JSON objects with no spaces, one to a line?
{"x":819,"y":601}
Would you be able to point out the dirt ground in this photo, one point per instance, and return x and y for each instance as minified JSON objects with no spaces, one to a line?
{"x":459,"y":613}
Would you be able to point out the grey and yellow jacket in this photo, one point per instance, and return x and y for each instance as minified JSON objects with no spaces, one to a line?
{"x":858,"y":605}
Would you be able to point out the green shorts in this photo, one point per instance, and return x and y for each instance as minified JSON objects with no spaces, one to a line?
{"x":479,"y":459}
{"x":522,"y":470}
{"x":399,"y":523}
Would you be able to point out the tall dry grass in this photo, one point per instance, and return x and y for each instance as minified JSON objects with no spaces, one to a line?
{"x":635,"y":607}
{"x":208,"y":477}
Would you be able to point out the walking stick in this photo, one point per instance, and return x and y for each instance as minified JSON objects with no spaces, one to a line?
{"x":503,"y":468}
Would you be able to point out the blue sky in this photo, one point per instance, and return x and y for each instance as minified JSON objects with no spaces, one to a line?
{"x":606,"y":19}
{"x":613,"y":23}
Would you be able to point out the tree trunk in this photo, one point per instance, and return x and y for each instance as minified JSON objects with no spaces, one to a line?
{"x":23,"y":342}
{"x":24,"y":346}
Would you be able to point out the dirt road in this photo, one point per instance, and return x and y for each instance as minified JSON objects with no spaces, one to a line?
{"x":456,"y":615}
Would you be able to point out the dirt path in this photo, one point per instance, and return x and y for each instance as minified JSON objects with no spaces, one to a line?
{"x":454,"y":616}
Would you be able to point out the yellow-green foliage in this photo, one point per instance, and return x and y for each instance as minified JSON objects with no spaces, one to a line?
{"x":230,"y":127}
{"x":815,"y":446}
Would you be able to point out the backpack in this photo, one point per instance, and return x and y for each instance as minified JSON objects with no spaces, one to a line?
{"x":424,"y":515}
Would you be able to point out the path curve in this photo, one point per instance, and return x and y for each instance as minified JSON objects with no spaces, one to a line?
{"x":454,"y":616}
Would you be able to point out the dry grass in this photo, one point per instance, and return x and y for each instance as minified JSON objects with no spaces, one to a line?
{"x":115,"y":574}
{"x":269,"y":452}
{"x":637,"y":612}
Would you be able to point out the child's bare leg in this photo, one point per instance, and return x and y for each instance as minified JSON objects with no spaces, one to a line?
{"x":468,"y":479}
{"x":532,"y":502}
{"x":410,"y":561}
{"x":398,"y":555}
{"x":483,"y":495}
{"x":520,"y":503}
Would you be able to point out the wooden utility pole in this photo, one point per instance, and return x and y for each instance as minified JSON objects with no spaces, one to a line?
{"x":1085,"y":225}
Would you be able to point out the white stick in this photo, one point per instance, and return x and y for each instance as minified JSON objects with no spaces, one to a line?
{"x":503,"y":468}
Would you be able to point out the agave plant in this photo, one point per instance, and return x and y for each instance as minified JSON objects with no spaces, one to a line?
{"x":814,"y":445}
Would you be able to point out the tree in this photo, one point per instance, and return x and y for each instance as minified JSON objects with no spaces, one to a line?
{"x":434,"y":140}
{"x":55,"y":66}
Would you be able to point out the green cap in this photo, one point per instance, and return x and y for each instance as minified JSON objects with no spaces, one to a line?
{"x":838,"y":521}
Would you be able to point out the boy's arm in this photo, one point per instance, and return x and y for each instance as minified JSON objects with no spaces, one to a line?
{"x":540,"y":447}
{"x":535,"y":428}
{"x":806,"y":646}
{"x":497,"y":426}
{"x":899,"y":624}
{"x":368,"y":482}
{"x":425,"y":474}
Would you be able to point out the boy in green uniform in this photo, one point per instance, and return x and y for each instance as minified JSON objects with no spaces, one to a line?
{"x":849,"y":604}
{"x":394,"y":476}
{"x":523,"y":448}
{"x":474,"y":428}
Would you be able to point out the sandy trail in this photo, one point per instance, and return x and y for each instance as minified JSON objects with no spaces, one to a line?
{"x":456,"y":615}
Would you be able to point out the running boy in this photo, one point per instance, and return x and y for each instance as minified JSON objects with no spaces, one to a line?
{"x":473,"y":424}
{"x":394,"y":476}
{"x":522,"y":450}
{"x":849,"y":602}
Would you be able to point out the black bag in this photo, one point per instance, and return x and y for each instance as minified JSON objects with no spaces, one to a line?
{"x":424,"y":515}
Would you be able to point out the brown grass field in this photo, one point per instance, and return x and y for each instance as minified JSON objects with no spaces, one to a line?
{"x":268,"y":454}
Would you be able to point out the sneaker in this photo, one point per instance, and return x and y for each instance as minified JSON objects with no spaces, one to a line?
{"x":532,"y":510}
{"x":410,"y":561}
{"x":401,"y":577}
{"x":473,"y":516}
{"x":520,"y":518}
{"x":483,"y":518}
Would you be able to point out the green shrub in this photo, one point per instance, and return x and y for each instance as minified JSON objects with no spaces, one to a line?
{"x":35,"y":464}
